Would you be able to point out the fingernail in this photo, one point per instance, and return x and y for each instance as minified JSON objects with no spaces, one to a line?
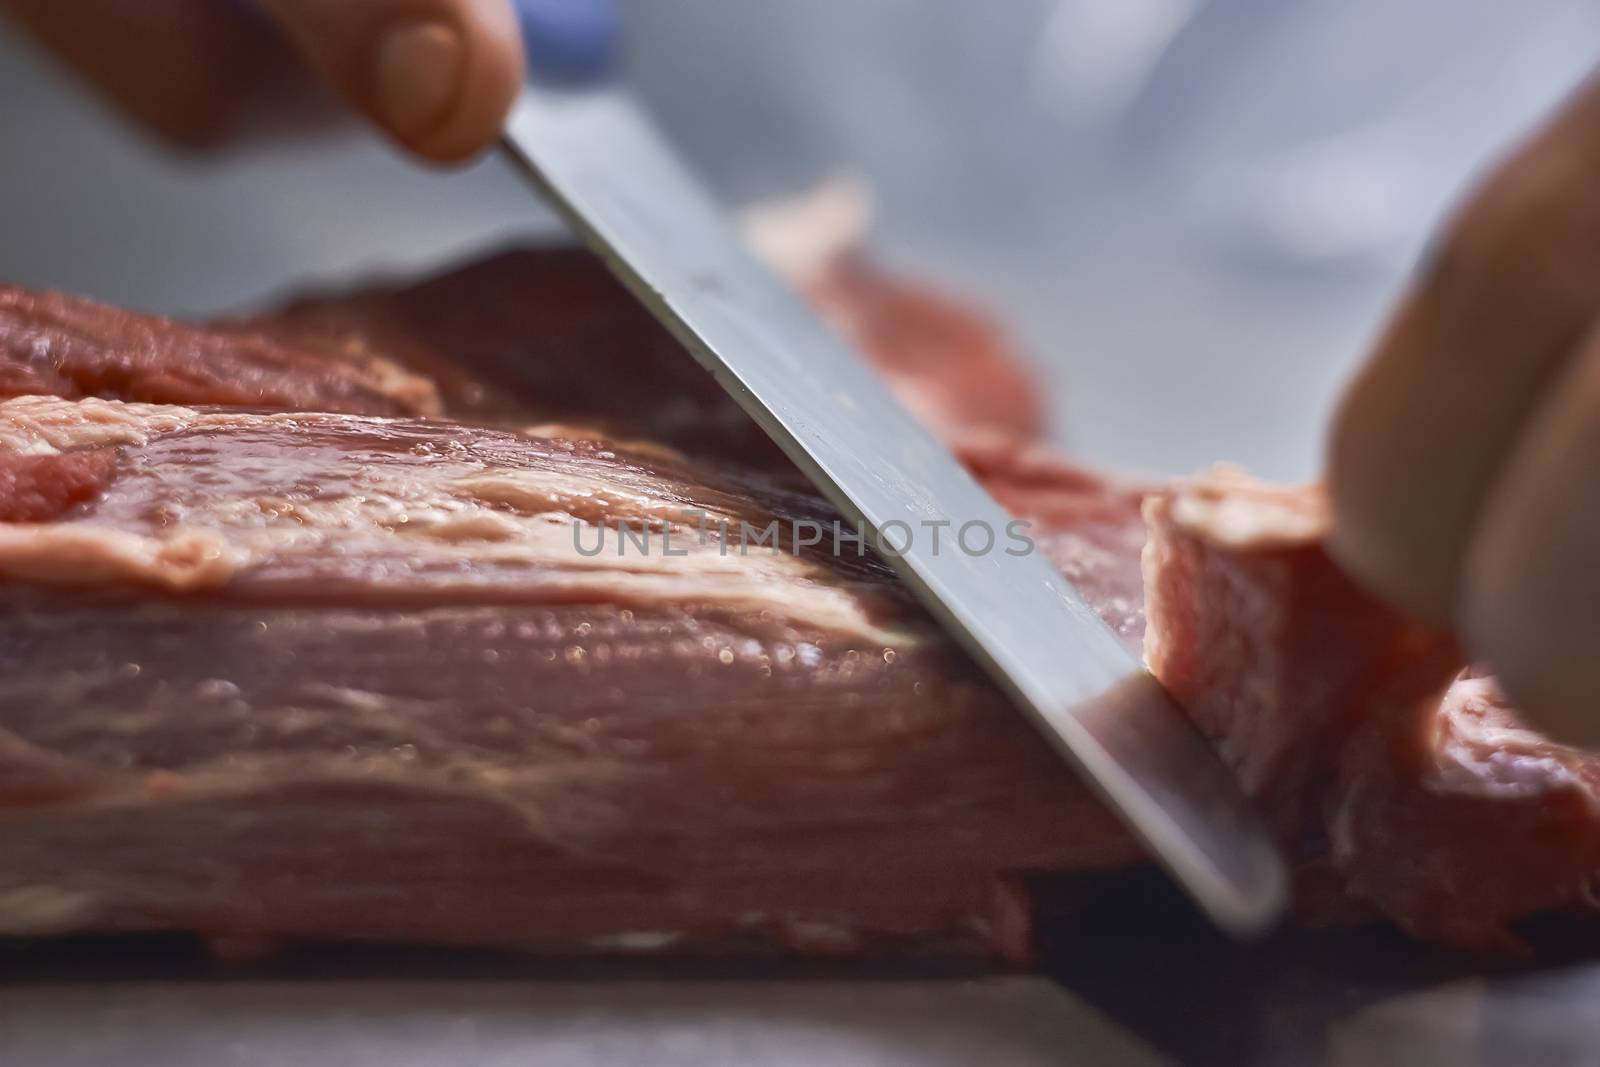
{"x":417,"y":76}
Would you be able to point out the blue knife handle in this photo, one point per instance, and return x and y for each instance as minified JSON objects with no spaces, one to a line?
{"x":569,"y":41}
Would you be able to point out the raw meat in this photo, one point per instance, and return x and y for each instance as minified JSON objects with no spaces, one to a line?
{"x":65,"y":346}
{"x":1373,"y":750}
{"x":296,"y":641}
{"x":328,"y":675}
{"x":336,"y":676}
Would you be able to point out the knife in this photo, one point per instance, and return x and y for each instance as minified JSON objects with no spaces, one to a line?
{"x":603,"y":166}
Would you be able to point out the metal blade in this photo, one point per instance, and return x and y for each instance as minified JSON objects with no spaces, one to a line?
{"x":602,"y":164}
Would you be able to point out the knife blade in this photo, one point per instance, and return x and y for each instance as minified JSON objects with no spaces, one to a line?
{"x":601,"y":163}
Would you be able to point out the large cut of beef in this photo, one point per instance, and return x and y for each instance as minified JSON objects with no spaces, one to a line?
{"x":323,"y":625}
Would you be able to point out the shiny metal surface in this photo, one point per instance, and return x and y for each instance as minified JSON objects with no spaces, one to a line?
{"x":607,"y":171}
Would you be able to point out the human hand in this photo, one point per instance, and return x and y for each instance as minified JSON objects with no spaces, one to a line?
{"x":438,"y":76}
{"x":1465,"y":460}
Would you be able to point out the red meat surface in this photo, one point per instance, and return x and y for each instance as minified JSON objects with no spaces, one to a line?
{"x":1371,"y":748}
{"x":297,"y":641}
{"x":337,"y":676}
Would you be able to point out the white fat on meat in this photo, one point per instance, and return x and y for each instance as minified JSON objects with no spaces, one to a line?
{"x":453,"y":524}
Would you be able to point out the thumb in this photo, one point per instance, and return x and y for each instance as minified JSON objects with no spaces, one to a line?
{"x":439,"y":76}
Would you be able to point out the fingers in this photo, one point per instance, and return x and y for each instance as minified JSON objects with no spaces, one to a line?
{"x":1531,"y":589}
{"x":438,"y":75}
{"x":1465,"y":460}
{"x":1424,"y":432}
{"x":181,"y":68}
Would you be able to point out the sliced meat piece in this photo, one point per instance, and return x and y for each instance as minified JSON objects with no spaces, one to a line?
{"x":326,"y":676}
{"x":1274,"y":653}
{"x":1459,"y":820}
{"x":1369,"y":746}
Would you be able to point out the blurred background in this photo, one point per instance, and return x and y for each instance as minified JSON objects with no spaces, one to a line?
{"x":1191,"y":213}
